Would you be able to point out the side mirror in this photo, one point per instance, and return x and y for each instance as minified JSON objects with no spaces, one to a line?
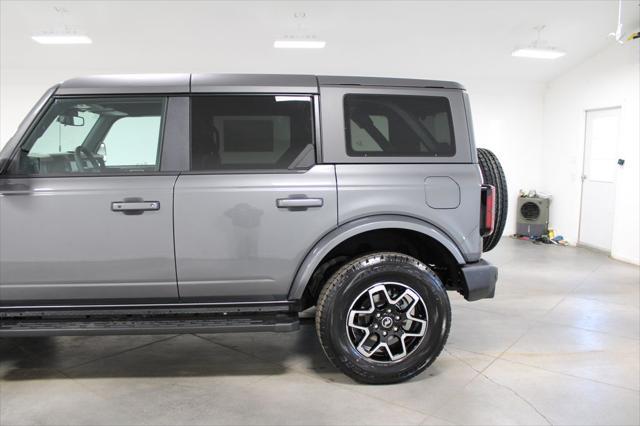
{"x":71,"y":119}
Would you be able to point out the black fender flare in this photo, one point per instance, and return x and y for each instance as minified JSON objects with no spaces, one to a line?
{"x":359,"y":226}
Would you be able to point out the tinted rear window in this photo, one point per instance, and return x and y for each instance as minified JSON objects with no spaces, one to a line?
{"x":398,"y":126}
{"x":250,"y":132}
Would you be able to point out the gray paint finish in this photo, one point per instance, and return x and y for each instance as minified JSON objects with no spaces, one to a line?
{"x":469,"y":117}
{"x":371,"y":189}
{"x":334,"y":80}
{"x":441,"y":192}
{"x":236,"y":83}
{"x":253,"y":83}
{"x":61,"y":240}
{"x":125,"y":84}
{"x":232,"y":241}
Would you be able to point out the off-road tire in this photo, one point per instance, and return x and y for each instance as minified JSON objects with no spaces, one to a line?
{"x":344,"y":287}
{"x":492,"y":174}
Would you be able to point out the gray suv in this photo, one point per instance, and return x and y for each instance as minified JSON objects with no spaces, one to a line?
{"x":199,"y":203}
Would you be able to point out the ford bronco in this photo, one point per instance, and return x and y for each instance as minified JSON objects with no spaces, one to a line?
{"x":200,"y":203}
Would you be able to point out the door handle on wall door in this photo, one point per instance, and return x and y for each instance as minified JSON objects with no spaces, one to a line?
{"x":293,"y":203}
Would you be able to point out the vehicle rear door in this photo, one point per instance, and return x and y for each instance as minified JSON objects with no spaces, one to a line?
{"x":255,"y":201}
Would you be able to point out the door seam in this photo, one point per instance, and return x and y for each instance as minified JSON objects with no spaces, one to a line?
{"x":335,"y":175}
{"x":173,"y":230}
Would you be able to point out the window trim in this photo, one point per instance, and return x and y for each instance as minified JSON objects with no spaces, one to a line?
{"x":7,"y":172}
{"x":315,"y":126}
{"x":383,"y":154}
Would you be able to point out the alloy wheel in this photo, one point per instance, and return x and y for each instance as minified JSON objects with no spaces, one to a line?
{"x":387,"y":322}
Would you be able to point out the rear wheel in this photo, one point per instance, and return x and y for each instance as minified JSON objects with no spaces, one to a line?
{"x":383,"y":318}
{"x":492,"y":174}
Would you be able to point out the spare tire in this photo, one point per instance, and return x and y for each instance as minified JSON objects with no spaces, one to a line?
{"x":492,"y":174}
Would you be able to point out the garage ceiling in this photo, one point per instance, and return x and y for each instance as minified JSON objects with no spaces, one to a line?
{"x":440,"y":40}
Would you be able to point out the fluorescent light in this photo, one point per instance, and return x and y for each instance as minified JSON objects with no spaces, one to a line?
{"x":538,"y":53}
{"x":299,"y":44}
{"x":61,"y":39}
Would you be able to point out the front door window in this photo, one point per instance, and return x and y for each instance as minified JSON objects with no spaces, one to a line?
{"x":92,"y":135}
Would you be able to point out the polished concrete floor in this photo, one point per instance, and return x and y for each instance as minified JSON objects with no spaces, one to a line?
{"x":558,"y":345}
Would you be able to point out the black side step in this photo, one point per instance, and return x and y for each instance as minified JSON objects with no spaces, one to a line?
{"x":161,"y":324}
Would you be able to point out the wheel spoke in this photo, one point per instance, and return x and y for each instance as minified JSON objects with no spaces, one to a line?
{"x":388,"y":351}
{"x":361,"y":348}
{"x":352,"y":317}
{"x":407,"y":292}
{"x":372,"y":351}
{"x":410,"y":317}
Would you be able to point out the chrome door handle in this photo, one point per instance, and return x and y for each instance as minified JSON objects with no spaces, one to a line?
{"x":299,"y":203}
{"x":134,"y":206}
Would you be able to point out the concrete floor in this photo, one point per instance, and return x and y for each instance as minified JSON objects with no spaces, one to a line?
{"x":558,"y":345}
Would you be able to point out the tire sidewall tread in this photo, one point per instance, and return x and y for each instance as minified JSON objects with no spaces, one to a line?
{"x":346,"y":280}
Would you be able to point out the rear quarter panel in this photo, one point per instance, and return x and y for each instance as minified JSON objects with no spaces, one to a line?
{"x":375,"y":189}
{"x":424,"y":188}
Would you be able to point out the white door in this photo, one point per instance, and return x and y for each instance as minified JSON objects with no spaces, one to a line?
{"x":598,"y":178}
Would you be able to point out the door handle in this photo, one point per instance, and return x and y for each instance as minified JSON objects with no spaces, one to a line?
{"x":299,"y":203}
{"x":134,"y":207}
{"x":15,"y":189}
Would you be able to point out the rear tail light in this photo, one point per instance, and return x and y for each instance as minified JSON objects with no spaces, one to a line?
{"x":488,"y":209}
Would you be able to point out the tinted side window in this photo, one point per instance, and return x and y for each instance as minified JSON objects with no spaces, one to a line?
{"x":398,"y":126}
{"x":92,"y":135}
{"x":250,"y":132}
{"x":133,"y":141}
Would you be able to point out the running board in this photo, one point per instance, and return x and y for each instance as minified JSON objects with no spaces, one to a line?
{"x":161,"y":324}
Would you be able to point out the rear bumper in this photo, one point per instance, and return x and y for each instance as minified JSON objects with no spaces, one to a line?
{"x":479,"y":280}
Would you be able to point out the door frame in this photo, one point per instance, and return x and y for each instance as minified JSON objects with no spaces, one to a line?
{"x":582,"y":173}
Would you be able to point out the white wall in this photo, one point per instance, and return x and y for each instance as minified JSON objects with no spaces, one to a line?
{"x":15,"y":103}
{"x":610,"y":78}
{"x":507,"y":119}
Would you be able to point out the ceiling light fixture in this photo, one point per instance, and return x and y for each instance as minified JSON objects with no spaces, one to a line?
{"x":61,"y":38}
{"x":538,"y":49}
{"x":301,"y":37}
{"x":538,"y":53}
{"x":61,"y":33}
{"x":299,"y":44}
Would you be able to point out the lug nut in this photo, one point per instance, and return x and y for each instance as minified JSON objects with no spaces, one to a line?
{"x":388,"y":311}
{"x":375,"y":325}
{"x":384,"y":333}
{"x":378,"y":315}
{"x":397,"y":317}
{"x":395,"y":328}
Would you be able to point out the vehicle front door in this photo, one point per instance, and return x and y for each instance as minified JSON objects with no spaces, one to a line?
{"x":85,"y":209}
